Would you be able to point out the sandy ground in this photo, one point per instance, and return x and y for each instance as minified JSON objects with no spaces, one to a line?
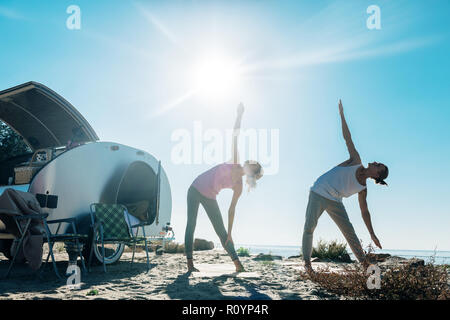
{"x":167,"y":279}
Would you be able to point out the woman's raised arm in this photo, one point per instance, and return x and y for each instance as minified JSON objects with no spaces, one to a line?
{"x":236,"y":130}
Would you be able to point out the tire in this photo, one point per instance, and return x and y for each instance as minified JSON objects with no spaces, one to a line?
{"x":5,"y":248}
{"x":112,"y":252}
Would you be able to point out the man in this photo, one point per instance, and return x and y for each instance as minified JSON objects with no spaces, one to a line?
{"x":326,"y":194}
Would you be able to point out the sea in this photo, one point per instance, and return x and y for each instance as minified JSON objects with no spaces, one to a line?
{"x":438,"y":257}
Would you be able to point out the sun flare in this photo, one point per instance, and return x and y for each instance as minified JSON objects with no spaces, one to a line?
{"x":215,"y":76}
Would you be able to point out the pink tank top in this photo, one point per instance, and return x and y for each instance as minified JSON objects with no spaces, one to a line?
{"x":210,"y":182}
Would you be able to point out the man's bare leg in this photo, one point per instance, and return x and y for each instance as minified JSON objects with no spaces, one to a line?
{"x":308,"y":268}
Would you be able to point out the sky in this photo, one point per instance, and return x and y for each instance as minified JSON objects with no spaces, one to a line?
{"x":136,"y":71}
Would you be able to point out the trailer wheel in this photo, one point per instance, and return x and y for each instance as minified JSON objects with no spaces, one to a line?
{"x":113,"y":252}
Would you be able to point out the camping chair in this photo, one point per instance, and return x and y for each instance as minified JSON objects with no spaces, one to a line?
{"x":49,"y":237}
{"x":52,"y":238}
{"x":108,"y":221}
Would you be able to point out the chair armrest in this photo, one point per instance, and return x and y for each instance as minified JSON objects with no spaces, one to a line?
{"x":68,"y":220}
{"x":142,"y":224}
{"x":40,"y":216}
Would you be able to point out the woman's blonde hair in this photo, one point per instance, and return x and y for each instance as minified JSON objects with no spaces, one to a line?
{"x":258,"y":172}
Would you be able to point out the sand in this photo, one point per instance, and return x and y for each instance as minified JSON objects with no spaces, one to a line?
{"x":167,"y":279}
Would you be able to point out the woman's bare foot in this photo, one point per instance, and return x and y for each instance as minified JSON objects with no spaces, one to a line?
{"x":240,"y":269}
{"x":239,"y":266}
{"x":190,"y":265}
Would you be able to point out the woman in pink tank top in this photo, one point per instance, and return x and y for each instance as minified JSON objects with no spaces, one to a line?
{"x":204,"y":190}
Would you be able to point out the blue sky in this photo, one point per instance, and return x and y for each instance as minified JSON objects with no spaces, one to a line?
{"x":128,"y":71}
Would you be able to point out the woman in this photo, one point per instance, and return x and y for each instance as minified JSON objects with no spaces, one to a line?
{"x":204,"y":190}
{"x":327,"y":192}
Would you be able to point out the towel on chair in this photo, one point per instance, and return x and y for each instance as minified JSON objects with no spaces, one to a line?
{"x":19,"y":203}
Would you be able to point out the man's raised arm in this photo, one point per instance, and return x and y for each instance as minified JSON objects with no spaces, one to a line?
{"x":354,"y":155}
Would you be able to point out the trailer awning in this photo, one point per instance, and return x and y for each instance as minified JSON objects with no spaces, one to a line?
{"x":42,"y":117}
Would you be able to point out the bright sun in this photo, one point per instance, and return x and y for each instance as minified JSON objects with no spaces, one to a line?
{"x":215,"y":76}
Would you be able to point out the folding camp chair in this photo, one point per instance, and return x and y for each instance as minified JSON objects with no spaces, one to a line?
{"x":108,"y":222}
{"x":66,"y":237}
{"x":49,"y":237}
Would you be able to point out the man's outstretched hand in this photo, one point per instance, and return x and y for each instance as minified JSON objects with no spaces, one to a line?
{"x":376,"y":241}
{"x":341,"y":108}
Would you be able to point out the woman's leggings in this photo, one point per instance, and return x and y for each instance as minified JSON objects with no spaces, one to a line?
{"x":194,"y":198}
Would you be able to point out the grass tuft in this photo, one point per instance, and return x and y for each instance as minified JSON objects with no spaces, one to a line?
{"x":93,"y":292}
{"x":333,"y":250}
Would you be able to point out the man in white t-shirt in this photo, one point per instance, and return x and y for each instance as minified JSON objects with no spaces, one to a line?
{"x":340,"y":182}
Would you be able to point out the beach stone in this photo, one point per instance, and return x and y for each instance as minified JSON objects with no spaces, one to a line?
{"x":343,"y":258}
{"x":392,"y":260}
{"x":414,"y":262}
{"x":346,"y":258}
{"x":159,"y":251}
{"x":180,"y":248}
{"x":378,"y":257}
{"x":202,"y":244}
{"x":171,"y":247}
{"x":267,"y":257}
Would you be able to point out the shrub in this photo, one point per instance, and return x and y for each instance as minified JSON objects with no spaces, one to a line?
{"x":243,"y":252}
{"x":333,"y":250}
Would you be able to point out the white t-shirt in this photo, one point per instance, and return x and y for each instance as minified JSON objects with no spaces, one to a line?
{"x":338,"y":183}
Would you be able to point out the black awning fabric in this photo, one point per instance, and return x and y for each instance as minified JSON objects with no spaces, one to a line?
{"x":41,"y":116}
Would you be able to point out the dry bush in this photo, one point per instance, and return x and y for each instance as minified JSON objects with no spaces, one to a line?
{"x":173,"y":247}
{"x":409,"y":280}
{"x":401,"y":282}
{"x":427,"y":282}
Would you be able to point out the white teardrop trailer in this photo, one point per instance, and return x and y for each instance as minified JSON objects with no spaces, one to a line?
{"x":93,"y":172}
